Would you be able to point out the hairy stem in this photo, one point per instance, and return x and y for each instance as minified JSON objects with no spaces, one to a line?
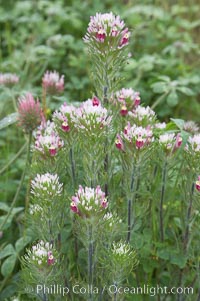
{"x":20,"y":184}
{"x":115,"y":294}
{"x":130,"y":201}
{"x":129,"y":221}
{"x":45,"y":298}
{"x":72,"y":167}
{"x":28,"y":163}
{"x":186,"y":236}
{"x":164,"y":174}
{"x":105,"y":101}
{"x":90,"y":261}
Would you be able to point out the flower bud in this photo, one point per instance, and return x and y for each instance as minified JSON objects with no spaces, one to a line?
{"x":30,"y":113}
{"x":65,"y":127}
{"x":123,"y":111}
{"x":198,"y":184}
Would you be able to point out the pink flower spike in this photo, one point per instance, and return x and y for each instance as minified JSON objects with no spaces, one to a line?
{"x":30,"y":113}
{"x":8,"y":79}
{"x":53,"y":82}
{"x":106,"y":29}
{"x":127,"y":97}
{"x":88,"y":201}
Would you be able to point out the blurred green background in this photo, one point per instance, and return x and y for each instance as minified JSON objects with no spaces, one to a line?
{"x":40,"y":35}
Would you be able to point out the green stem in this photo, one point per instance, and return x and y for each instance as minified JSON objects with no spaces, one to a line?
{"x":159,"y":100}
{"x":115,"y":295}
{"x":131,"y":200}
{"x":90,"y":261}
{"x":130,"y":208}
{"x":105,"y":100}
{"x":72,"y":167}
{"x":28,"y":162}
{"x":13,"y":159}
{"x":45,"y":298}
{"x":20,"y":184}
{"x":164,"y":174}
{"x":186,"y":236}
{"x":129,"y":220}
{"x":4,"y":282}
{"x":13,"y":100}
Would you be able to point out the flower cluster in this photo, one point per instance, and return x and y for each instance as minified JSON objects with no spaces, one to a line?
{"x":121,"y":249}
{"x":88,"y":201}
{"x":160,"y":125}
{"x":53,"y":82}
{"x":143,"y":115}
{"x":91,"y":117}
{"x":42,"y":254}
{"x":167,"y":140}
{"x":64,"y":117}
{"x":191,"y":127}
{"x":111,"y":219}
{"x":47,"y":140}
{"x":198,"y":184}
{"x":128,"y":99}
{"x":107,"y":30}
{"x":30,"y":113}
{"x":170,"y":141}
{"x":135,"y":135}
{"x":194,"y":143}
{"x":34,"y":209}
{"x":46,"y":186}
{"x":8,"y":79}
